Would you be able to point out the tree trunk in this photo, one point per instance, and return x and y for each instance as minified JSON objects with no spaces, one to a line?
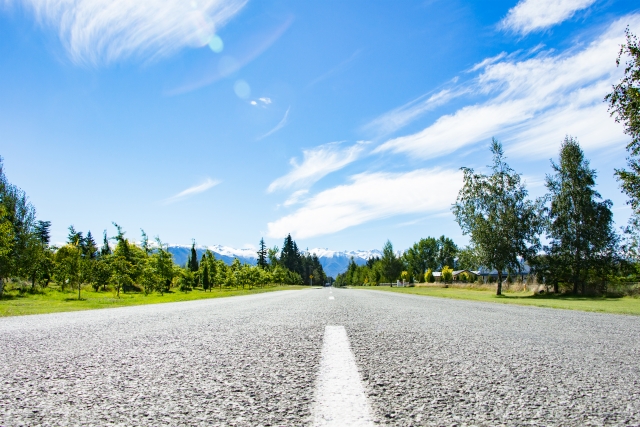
{"x":499,"y":287}
{"x":1,"y":287}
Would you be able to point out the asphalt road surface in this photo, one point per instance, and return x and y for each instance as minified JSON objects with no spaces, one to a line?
{"x":320,"y":357}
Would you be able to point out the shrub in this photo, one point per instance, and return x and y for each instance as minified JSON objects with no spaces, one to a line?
{"x":447,"y":274}
{"x":428,"y":276}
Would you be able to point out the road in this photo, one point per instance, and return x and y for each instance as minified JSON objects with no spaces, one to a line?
{"x":302,"y":357}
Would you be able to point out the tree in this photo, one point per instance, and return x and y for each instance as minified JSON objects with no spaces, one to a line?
{"x":121,"y":269}
{"x":89,"y":248}
{"x":144,"y":242}
{"x":205,"y":277}
{"x":7,"y":240}
{"x":420,"y":257}
{"x":624,"y":105}
{"x":428,"y":276}
{"x":446,"y":274}
{"x":262,"y":255}
{"x":68,"y":266}
{"x":192,"y":262}
{"x":581,"y":227}
{"x":272,"y":254}
{"x":162,"y":261}
{"x":494,"y":211}
{"x":467,"y":259}
{"x":19,"y":213}
{"x":105,"y":250}
{"x":447,"y":251}
{"x":289,"y":254}
{"x":391,"y":265}
{"x":74,"y":237}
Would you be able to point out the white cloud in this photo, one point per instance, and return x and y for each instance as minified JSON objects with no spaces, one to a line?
{"x":317,"y":163}
{"x":397,"y":118}
{"x":295,"y":197}
{"x":368,"y":197}
{"x":279,"y":126}
{"x":533,"y":103}
{"x":104,"y":31}
{"x":191,"y":191}
{"x":534,"y":15}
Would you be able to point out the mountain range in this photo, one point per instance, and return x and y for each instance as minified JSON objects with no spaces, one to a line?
{"x":333,"y":262}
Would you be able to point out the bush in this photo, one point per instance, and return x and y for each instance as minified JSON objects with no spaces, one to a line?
{"x":447,"y":274}
{"x":428,"y":276}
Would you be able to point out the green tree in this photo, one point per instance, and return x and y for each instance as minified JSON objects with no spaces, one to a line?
{"x":420,"y":257}
{"x":391,"y":264}
{"x":581,"y":227}
{"x":68,"y":267}
{"x":192,"y":262}
{"x":624,"y":105}
{"x":162,"y":261}
{"x":494,"y":211}
{"x":105,"y":250}
{"x":447,"y":251}
{"x":121,"y":273}
{"x":206,"y":284}
{"x":467,"y":259}
{"x":262,"y":255}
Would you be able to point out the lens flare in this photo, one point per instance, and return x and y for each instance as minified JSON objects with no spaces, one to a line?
{"x":242,"y":89}
{"x":216,"y":44}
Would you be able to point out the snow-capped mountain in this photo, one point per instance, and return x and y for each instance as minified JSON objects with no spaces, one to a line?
{"x":225,"y":253}
{"x":336,"y":262}
{"x":333,"y":262}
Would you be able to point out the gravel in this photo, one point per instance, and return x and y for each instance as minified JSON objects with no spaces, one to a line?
{"x":253,"y":360}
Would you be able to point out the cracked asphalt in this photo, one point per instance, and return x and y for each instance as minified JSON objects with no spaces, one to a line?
{"x":254,"y":360}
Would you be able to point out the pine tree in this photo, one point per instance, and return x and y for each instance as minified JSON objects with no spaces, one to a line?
{"x":89,"y":248}
{"x":262,"y":255}
{"x":193,"y":258}
{"x":42,"y":232}
{"x":74,"y":237}
{"x":206,"y":284}
{"x":105,"y":250}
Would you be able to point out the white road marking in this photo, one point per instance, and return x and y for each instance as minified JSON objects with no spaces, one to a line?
{"x":340,"y":399}
{"x":331,"y":298}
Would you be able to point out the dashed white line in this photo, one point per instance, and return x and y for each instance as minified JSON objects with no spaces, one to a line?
{"x":331,"y":298}
{"x":340,"y":399}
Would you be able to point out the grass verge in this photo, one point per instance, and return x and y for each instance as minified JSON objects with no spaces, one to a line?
{"x":53,"y":301}
{"x":621,"y":305}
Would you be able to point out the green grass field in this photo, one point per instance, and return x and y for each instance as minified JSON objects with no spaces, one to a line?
{"x":51,"y":301}
{"x":622,"y":305}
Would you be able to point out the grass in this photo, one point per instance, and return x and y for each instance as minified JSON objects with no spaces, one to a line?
{"x":617,"y":305}
{"x":52,"y":301}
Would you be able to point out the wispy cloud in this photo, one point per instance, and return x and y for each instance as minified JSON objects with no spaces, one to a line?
{"x":533,"y":103}
{"x":535,"y":15}
{"x":337,"y":69}
{"x":103,"y":31}
{"x":399,"y":117}
{"x":317,"y":163}
{"x":235,"y":59}
{"x":192,"y":191}
{"x":368,"y":197}
{"x":279,"y":126}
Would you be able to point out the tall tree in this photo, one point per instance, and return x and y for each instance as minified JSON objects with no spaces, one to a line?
{"x":288,"y":256}
{"x":105,"y":250}
{"x":581,"y":226}
{"x":89,"y":247}
{"x":494,"y":211}
{"x":193,"y":258}
{"x":624,"y":105}
{"x":262,"y":255}
{"x":447,"y":251}
{"x":74,"y":237}
{"x":42,"y":231}
{"x":391,"y":264}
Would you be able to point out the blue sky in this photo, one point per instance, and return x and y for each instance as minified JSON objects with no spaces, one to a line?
{"x":342,"y":123}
